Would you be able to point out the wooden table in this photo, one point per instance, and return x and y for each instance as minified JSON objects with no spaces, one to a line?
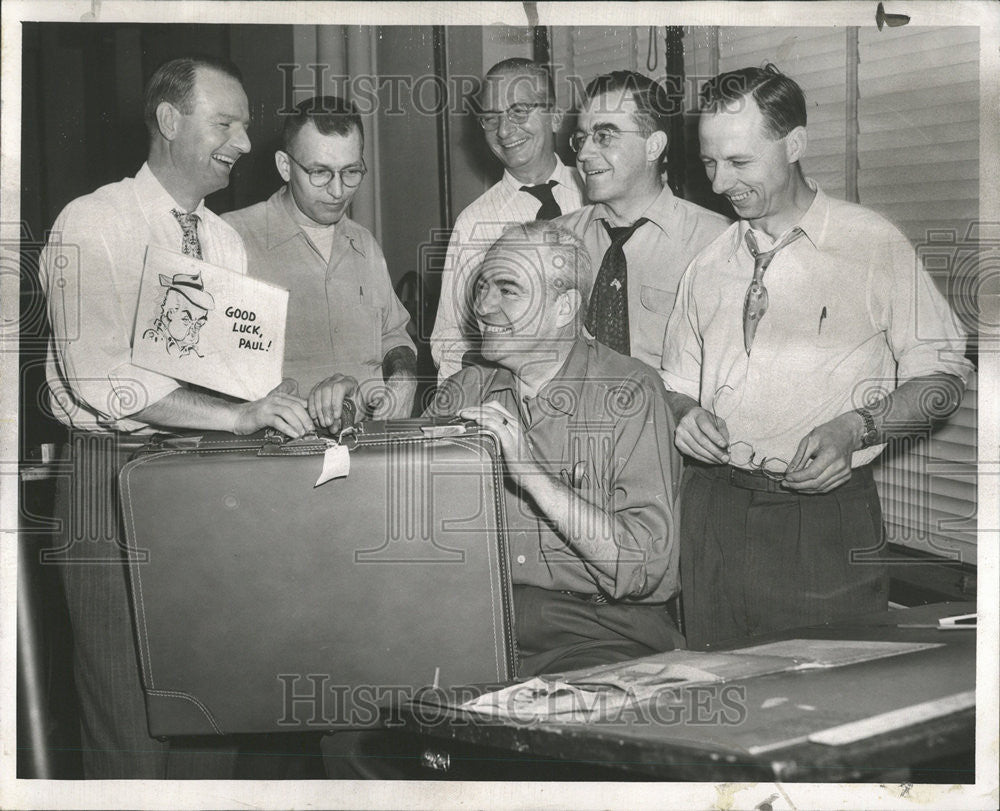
{"x":754,"y":729}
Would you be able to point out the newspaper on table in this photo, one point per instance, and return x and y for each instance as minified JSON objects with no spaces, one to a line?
{"x":587,"y":695}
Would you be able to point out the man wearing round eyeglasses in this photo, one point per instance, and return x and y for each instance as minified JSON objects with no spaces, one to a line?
{"x":519,"y":123}
{"x":346,"y":329}
{"x":639,"y":234}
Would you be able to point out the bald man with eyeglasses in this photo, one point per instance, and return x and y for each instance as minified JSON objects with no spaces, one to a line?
{"x":640,"y":236}
{"x":346,"y":329}
{"x":517,"y":114}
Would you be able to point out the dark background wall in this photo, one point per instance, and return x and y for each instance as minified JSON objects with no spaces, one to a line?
{"x":82,"y":127}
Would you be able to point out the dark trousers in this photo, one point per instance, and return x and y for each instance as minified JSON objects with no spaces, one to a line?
{"x":557,"y":632}
{"x":757,"y":558}
{"x":92,"y":555}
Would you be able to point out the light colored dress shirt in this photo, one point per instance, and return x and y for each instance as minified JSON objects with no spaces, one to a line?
{"x":851,"y":314}
{"x":657,"y":254}
{"x":343,"y":315}
{"x":91,"y":271}
{"x":476,"y":229}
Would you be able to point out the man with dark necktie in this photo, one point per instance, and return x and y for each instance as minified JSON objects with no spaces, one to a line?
{"x":519,"y":123}
{"x":793,"y":353}
{"x":640,"y":236}
{"x":197,"y":116}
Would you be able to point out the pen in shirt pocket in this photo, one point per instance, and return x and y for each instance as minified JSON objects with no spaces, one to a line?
{"x":822,"y":318}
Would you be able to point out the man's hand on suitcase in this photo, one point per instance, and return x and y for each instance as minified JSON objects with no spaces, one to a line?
{"x":326,"y":400}
{"x":516,"y":452}
{"x":282,"y":409}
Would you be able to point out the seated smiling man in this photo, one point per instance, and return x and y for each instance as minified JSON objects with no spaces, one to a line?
{"x":591,"y":472}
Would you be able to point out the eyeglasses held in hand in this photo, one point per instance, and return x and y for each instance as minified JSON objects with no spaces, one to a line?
{"x":518,"y":113}
{"x":350,"y":176}
{"x":742,"y":454}
{"x":602,"y":136}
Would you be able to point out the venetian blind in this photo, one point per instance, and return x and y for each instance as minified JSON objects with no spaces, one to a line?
{"x":816,"y":59}
{"x":918,"y":164}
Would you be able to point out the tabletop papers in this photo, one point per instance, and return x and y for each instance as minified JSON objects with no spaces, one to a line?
{"x":594,"y":693}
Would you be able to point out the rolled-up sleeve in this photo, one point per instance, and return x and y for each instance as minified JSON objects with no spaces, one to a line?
{"x":394,"y":315}
{"x":921,"y":329}
{"x":91,"y":310}
{"x":642,"y":486}
{"x":449,"y":342}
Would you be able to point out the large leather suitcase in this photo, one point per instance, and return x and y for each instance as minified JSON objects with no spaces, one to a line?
{"x":265,"y":603}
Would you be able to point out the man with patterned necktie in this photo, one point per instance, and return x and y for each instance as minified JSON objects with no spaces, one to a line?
{"x":197,"y":116}
{"x":791,"y":356}
{"x":519,"y":123}
{"x":640,"y":236}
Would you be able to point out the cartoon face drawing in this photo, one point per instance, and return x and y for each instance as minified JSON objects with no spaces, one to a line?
{"x":183,"y":312}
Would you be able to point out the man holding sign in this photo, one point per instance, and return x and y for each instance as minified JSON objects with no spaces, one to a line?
{"x":197,"y":115}
{"x":346,"y":329}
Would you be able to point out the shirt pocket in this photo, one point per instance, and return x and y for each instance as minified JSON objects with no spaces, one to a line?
{"x":656,"y":300}
{"x":358,"y":336}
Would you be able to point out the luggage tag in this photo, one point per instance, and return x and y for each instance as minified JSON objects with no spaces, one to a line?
{"x":336,"y":464}
{"x":337,"y":458}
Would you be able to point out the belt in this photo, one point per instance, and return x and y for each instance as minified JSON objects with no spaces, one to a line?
{"x":600,"y":599}
{"x":751,"y":480}
{"x":755,"y":480}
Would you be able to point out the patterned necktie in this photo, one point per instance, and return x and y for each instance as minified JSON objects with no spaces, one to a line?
{"x":190,"y":244}
{"x":543,"y":193}
{"x":607,"y":316}
{"x":755,"y":303}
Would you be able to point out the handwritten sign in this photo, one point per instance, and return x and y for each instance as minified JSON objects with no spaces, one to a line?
{"x":208,"y":325}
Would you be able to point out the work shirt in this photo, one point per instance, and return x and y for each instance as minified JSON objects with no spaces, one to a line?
{"x":657,"y":254}
{"x":343,"y":315}
{"x":601,"y":427}
{"x":91,"y":271}
{"x":478,"y":226}
{"x":851,"y":315}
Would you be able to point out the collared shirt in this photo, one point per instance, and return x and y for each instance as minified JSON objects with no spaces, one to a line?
{"x":600,"y":426}
{"x":850,"y":315}
{"x":343,"y":315}
{"x":657,"y":254}
{"x":91,"y":271}
{"x":476,"y":229}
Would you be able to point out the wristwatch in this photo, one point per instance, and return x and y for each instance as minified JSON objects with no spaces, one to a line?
{"x":870,"y":436}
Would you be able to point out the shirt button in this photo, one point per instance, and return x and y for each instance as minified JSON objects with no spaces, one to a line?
{"x":521,"y":558}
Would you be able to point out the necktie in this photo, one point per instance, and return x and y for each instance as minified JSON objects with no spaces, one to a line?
{"x":543,"y":192}
{"x":755,"y":303}
{"x":190,"y":244}
{"x":607,"y":316}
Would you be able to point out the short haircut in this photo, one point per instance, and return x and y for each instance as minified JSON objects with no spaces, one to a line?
{"x":516,"y":66}
{"x":173,"y":82}
{"x":653,"y":105}
{"x":331,"y":115}
{"x":569,"y":266}
{"x":779,"y":98}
